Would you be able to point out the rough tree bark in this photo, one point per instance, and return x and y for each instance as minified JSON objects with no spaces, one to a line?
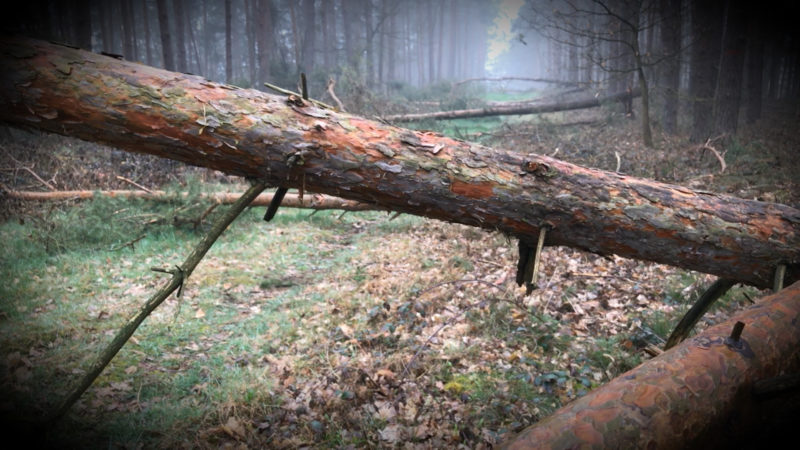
{"x":292,"y":143}
{"x":701,"y":394}
{"x":516,"y":109}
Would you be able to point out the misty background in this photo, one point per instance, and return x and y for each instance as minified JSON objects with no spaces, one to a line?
{"x":711,"y":63}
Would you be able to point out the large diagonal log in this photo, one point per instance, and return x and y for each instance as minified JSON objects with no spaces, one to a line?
{"x":702,"y":393}
{"x":292,"y":143}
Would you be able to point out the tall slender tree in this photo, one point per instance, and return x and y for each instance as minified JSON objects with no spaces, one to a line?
{"x":228,"y":43}
{"x":755,"y":67}
{"x":728,"y":93}
{"x":706,"y":32}
{"x":180,"y":35}
{"x":669,"y":79}
{"x":82,"y":22}
{"x":146,"y":24}
{"x":309,"y":32}
{"x":128,"y":33}
{"x":265,"y":34}
{"x":166,"y":38}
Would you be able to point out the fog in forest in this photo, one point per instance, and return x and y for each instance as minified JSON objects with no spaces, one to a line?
{"x":714,"y":60}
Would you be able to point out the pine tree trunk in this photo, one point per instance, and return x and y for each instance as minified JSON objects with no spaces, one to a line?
{"x":147,"y":45}
{"x":128,"y":39}
{"x":670,"y":13}
{"x":180,"y":36}
{"x":228,"y":43}
{"x":727,"y":100}
{"x":166,"y":37}
{"x":265,"y":33}
{"x":250,"y":28}
{"x":294,"y":144}
{"x":706,"y":46}
{"x":82,"y":20}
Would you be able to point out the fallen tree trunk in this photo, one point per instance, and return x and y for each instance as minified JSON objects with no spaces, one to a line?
{"x":311,"y":201}
{"x":292,"y":143}
{"x":516,"y":109}
{"x":700,"y":394}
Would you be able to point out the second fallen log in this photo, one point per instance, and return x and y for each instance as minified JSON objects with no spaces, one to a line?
{"x":516,"y":109}
{"x":310,"y":201}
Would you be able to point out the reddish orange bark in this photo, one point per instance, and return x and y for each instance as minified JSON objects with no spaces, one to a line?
{"x":292,"y":143}
{"x":697,"y":395}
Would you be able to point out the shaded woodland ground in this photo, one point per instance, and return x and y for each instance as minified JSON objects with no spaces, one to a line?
{"x":331,"y":330}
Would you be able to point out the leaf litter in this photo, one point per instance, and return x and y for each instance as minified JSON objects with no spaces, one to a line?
{"x":367,"y":335}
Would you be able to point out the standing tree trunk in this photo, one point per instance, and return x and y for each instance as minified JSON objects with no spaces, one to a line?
{"x":325,"y":13}
{"x":670,"y":13}
{"x":431,"y":42}
{"x":391,"y":49}
{"x":105,"y":27}
{"x":706,"y":44}
{"x":180,"y":36}
{"x":192,"y":44}
{"x":166,"y":38}
{"x":573,"y":72}
{"x":349,"y":11}
{"x":146,"y":23}
{"x":309,"y":31}
{"x":228,"y":43}
{"x":250,"y":28}
{"x":369,"y":34}
{"x":82,"y":20}
{"x":128,"y":34}
{"x":265,"y":33}
{"x":452,"y":40}
{"x":729,"y":87}
{"x":294,"y":144}
{"x":382,"y":44}
{"x":440,"y":43}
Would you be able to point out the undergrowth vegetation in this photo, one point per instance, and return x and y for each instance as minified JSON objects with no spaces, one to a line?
{"x":327,"y":329}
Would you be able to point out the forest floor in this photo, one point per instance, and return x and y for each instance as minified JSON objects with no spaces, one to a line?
{"x":334,"y":330}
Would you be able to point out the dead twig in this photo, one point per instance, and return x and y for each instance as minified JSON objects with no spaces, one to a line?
{"x":127,"y":180}
{"x":331,"y":84}
{"x":720,"y":156}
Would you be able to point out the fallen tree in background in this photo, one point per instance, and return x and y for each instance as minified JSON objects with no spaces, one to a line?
{"x":311,"y":201}
{"x":704,"y":393}
{"x":292,"y":143}
{"x":516,"y":108}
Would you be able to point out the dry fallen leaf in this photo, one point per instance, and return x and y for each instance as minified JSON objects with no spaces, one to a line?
{"x":234,"y":428}
{"x":391,"y":434}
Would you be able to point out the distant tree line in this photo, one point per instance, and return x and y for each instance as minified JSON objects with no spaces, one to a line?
{"x":714,"y":61}
{"x":379,"y":43}
{"x":710,"y":63}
